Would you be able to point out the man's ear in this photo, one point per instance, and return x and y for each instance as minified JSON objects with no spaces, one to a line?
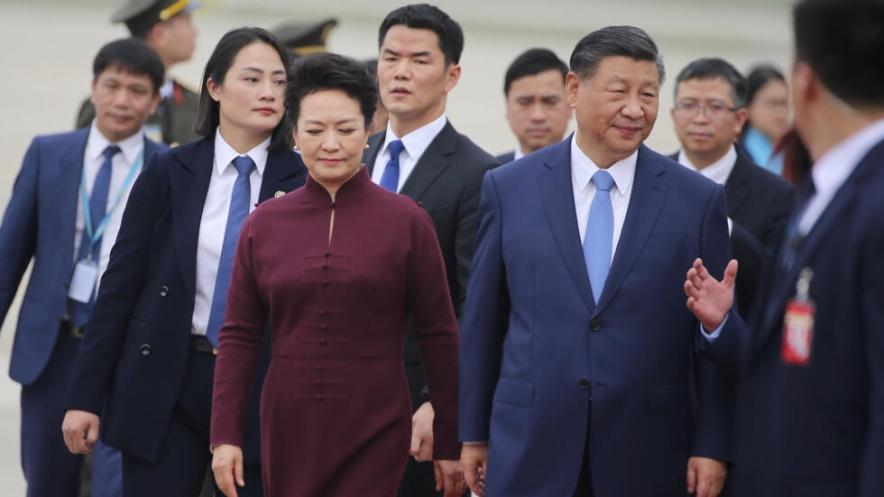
{"x":572,"y":87}
{"x":452,"y":76}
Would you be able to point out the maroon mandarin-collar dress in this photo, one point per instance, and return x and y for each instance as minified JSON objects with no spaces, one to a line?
{"x":336,"y":281}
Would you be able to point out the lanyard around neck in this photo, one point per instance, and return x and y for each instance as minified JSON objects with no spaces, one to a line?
{"x":96,"y":233}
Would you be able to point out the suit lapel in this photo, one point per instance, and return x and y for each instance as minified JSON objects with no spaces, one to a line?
{"x":283,"y":173}
{"x":189,"y":178}
{"x":557,"y":193}
{"x":375,"y":143}
{"x":431,"y":164}
{"x":70,"y":175}
{"x":648,"y":193}
{"x":738,"y":185}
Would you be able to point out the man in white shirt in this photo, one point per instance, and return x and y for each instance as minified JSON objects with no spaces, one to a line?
{"x":421,"y":155}
{"x":65,"y":213}
{"x":708,"y":115}
{"x":811,"y":405}
{"x":536,"y":106}
{"x":579,"y":371}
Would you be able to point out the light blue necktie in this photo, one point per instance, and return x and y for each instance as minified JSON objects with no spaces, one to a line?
{"x":390,"y":178}
{"x":80,"y":311}
{"x":599,"y":233}
{"x":236,"y":215}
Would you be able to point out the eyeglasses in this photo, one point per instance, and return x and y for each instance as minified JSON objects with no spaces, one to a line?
{"x":713,"y":109}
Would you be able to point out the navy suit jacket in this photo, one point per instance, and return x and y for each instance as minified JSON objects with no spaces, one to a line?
{"x":818,"y":430}
{"x":40,"y":224}
{"x":539,"y":358}
{"x":133,"y":358}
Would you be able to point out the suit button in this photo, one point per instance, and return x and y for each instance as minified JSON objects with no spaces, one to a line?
{"x":595,"y":325}
{"x":145,"y":349}
{"x":583,"y":384}
{"x":164,"y":291}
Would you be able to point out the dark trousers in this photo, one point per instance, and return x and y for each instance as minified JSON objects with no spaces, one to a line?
{"x":184,"y":456}
{"x":49,"y":468}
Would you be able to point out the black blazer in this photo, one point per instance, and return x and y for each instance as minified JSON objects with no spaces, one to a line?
{"x":759,"y":203}
{"x":446,"y":182}
{"x":507,"y":157}
{"x":133,"y":358}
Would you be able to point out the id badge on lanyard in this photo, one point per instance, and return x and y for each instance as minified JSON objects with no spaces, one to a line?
{"x":798,"y":323}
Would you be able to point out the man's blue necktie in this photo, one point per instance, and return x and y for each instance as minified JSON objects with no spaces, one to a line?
{"x":599,"y":237}
{"x":390,"y":179}
{"x":236,"y":216}
{"x":80,"y":311}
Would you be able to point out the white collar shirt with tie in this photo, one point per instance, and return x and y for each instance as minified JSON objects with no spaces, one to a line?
{"x":415,"y":143}
{"x":582,"y":169}
{"x":214,"y":222}
{"x":130,"y":151}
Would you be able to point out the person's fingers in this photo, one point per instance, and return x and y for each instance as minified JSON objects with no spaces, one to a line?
{"x":224,"y":479}
{"x":91,"y":436}
{"x":238,"y":471}
{"x":730,"y":272}
{"x":415,"y":444}
{"x":437,"y":471}
{"x":425,"y":452}
{"x":703,"y":485}
{"x":471,"y":475}
{"x":692,"y":478}
{"x":703,"y":273}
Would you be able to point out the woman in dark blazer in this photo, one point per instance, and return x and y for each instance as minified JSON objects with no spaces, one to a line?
{"x":147,"y":360}
{"x":335,"y":268}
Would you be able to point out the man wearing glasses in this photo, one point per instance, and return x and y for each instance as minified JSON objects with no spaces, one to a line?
{"x":709,"y":112}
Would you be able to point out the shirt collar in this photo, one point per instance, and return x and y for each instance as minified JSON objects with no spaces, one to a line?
{"x":168,"y":88}
{"x":833,"y":168}
{"x":224,"y":154}
{"x":417,"y":142}
{"x":97,"y":143}
{"x":517,"y":152}
{"x":582,"y":169}
{"x":719,"y":171}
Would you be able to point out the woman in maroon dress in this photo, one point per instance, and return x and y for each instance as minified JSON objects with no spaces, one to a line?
{"x":333,"y":270}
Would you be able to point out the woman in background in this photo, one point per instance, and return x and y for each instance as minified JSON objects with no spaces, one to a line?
{"x":767,"y":100}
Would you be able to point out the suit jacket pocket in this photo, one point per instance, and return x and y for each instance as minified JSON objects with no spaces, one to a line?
{"x":671,"y":398}
{"x":514,"y":392}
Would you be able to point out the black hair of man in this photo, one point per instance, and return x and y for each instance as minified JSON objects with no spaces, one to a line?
{"x":209,"y":111}
{"x":530,"y":62}
{"x":843,"y":42}
{"x":715,"y":68}
{"x":132,"y":56}
{"x":613,"y":41}
{"x":425,"y":16}
{"x":759,"y":75}
{"x":329,"y":71}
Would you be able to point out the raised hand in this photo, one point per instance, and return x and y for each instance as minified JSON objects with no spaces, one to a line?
{"x":709,"y":299}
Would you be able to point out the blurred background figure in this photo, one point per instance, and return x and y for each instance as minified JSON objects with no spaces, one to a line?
{"x":65,"y":213}
{"x":767,"y":97}
{"x":381,"y":116}
{"x":305,"y":38}
{"x":167,"y":27}
{"x":536,"y":107}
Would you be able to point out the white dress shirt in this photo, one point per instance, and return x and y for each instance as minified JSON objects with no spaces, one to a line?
{"x":582,"y":169}
{"x":214,"y":222}
{"x":131,"y":150}
{"x":834,"y":167}
{"x":719,"y":171}
{"x":517,"y":152}
{"x":416,"y":143}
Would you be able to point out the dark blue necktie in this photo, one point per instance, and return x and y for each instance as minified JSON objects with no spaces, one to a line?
{"x":792,"y":237}
{"x":598,"y":241}
{"x":390,"y":178}
{"x":236,"y":215}
{"x":80,"y":311}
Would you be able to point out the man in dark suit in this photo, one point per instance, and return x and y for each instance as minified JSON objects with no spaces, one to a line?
{"x":578,"y":367}
{"x":811,"y":406}
{"x":166,"y":27}
{"x":65,"y":213}
{"x":421,"y":155}
{"x":709,"y":112}
{"x":536,"y":107}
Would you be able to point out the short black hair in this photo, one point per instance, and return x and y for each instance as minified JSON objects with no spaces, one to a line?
{"x":611,"y":41}
{"x":132,"y":56}
{"x":712,"y":68}
{"x":843,"y":42}
{"x":329,"y":71}
{"x":208,"y":112}
{"x":426,"y":16}
{"x":533,"y":61}
{"x":759,"y":75}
